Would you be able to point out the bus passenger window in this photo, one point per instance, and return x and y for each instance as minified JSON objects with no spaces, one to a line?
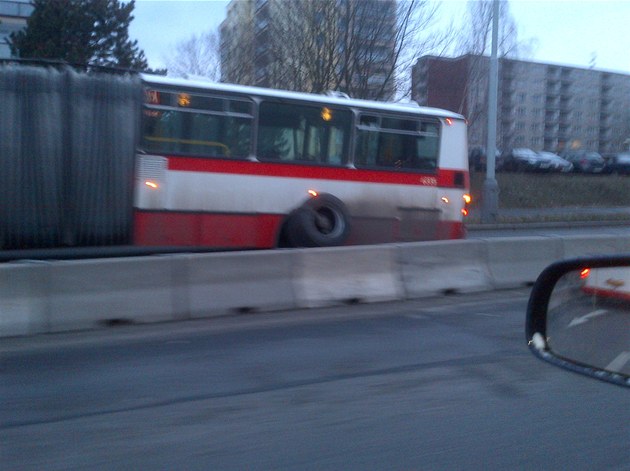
{"x":299,"y":133}
{"x":396,"y":143}
{"x":189,"y":124}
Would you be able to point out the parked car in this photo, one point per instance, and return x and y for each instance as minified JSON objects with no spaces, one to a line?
{"x":525,"y":160}
{"x":585,"y":162}
{"x":619,"y":164}
{"x":477,"y":159}
{"x":558,"y":164}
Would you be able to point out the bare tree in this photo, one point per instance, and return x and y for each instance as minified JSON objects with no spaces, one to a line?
{"x":380,"y":45}
{"x":418,"y":34}
{"x":477,"y":32}
{"x":304,"y":52}
{"x":361,"y":47}
{"x":196,"y":56}
{"x":476,"y":41}
{"x":237,"y":44}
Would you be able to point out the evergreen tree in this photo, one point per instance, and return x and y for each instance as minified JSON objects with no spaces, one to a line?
{"x":80,"y":32}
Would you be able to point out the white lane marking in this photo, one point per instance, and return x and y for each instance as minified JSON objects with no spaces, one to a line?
{"x":618,"y":363}
{"x":587,"y":317}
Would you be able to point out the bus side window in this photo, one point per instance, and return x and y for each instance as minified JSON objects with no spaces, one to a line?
{"x":302,"y":133}
{"x":205,"y":126}
{"x":428,"y":145}
{"x":397,"y":143}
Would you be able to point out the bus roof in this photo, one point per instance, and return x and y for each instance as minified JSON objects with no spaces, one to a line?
{"x":272,"y":93}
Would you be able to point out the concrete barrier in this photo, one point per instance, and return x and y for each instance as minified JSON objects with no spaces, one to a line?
{"x":23,"y":302}
{"x":432,"y":268}
{"x":224,"y":283}
{"x":39,"y":297}
{"x":346,"y":274}
{"x":517,"y":261}
{"x":580,"y":246}
{"x":83,"y":294}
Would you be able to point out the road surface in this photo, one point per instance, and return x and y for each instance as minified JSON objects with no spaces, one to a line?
{"x":444,"y":383}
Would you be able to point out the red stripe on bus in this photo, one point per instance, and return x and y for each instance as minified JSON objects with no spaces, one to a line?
{"x":170,"y":228}
{"x":206,"y":229}
{"x":447,"y":178}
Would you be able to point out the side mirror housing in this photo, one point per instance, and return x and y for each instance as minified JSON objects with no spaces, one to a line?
{"x":578,"y":317}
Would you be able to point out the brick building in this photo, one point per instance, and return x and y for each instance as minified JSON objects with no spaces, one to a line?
{"x":540,"y":106}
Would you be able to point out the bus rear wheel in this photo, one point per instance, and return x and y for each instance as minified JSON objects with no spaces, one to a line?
{"x":323,"y":221}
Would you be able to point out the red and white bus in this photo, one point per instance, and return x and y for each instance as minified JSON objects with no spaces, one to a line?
{"x":233,"y":166}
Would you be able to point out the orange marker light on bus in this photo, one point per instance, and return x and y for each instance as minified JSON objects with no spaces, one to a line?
{"x":467,"y":199}
{"x":585,"y":272}
{"x":449,"y":121}
{"x":313,"y":193}
{"x":464,"y":211}
{"x":151,"y":184}
{"x":183,"y":99}
{"x":444,"y":199}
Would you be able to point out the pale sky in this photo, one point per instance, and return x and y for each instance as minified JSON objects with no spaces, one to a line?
{"x":566,"y":32}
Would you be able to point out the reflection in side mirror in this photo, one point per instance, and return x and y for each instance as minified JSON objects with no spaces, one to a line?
{"x":579,"y":317}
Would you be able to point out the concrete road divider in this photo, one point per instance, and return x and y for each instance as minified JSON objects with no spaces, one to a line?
{"x":580,"y":246}
{"x":517,"y":261}
{"x":346,"y":274}
{"x":23,"y":304}
{"x":224,"y":283}
{"x":85,"y":293}
{"x":39,"y":297}
{"x":433,"y":268}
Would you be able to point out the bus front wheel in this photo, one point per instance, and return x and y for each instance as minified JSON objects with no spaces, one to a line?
{"x":323,"y":221}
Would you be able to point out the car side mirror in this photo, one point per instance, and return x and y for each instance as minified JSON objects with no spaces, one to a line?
{"x":578,"y":317}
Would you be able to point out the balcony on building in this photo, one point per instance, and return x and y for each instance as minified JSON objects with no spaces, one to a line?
{"x":606,"y":83}
{"x":507,"y":115}
{"x":565,"y":78}
{"x":564,"y":132}
{"x":565,"y":117}
{"x":552,"y":105}
{"x":553,"y":75}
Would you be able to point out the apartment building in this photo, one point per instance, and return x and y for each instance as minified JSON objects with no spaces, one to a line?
{"x":540,"y":106}
{"x":13,"y":16}
{"x":250,"y":56}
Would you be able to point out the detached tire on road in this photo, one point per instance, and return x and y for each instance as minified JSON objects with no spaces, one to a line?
{"x":323,"y":221}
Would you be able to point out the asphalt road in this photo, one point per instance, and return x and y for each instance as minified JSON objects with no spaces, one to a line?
{"x":445,"y":383}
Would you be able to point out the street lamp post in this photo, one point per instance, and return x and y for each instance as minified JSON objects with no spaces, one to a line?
{"x":490,"y":196}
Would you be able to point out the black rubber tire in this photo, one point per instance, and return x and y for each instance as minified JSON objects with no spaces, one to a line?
{"x":323,"y":221}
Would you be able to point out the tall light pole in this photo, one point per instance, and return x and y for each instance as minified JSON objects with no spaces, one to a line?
{"x":490,"y":196}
